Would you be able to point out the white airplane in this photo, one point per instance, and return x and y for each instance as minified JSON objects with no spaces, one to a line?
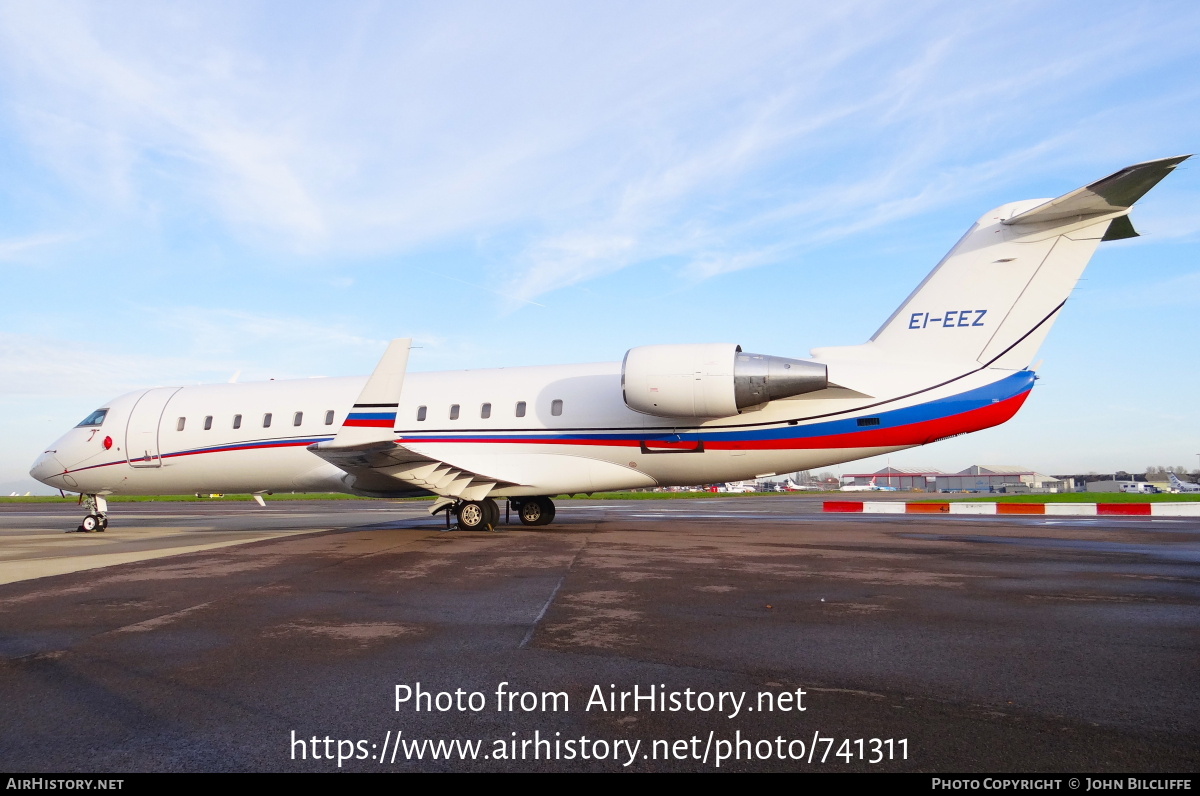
{"x":953,"y":358}
{"x":1178,"y":485}
{"x":871,"y":487}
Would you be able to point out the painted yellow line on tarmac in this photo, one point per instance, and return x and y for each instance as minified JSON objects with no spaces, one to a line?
{"x":31,"y":558}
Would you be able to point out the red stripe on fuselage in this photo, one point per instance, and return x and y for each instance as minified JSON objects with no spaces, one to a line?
{"x":911,"y":434}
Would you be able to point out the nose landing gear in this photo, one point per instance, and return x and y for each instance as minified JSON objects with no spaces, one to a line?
{"x":96,"y":520}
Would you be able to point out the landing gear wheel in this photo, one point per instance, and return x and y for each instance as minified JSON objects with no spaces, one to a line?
{"x":103,"y":525}
{"x":472,"y":515}
{"x":536,"y":511}
{"x":492,"y":512}
{"x":90,"y":523}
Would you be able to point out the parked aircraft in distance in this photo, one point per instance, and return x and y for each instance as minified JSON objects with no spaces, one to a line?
{"x":953,"y":358}
{"x":871,"y":487}
{"x":1178,"y":485}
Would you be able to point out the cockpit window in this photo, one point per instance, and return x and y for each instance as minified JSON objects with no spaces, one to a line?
{"x":94,"y":419}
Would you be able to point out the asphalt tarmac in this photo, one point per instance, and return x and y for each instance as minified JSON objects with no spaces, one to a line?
{"x":225,"y":637}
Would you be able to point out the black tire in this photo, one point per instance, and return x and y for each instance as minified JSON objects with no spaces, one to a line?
{"x":493,"y":512}
{"x":536,"y":511}
{"x":103,"y":526}
{"x":472,"y":515}
{"x":90,"y":523}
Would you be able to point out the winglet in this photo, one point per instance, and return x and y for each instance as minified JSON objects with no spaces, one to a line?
{"x":1111,"y":194}
{"x":373,"y":415}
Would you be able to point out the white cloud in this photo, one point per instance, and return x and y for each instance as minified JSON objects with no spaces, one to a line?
{"x":589,"y":136}
{"x":35,"y":365}
{"x":206,"y":332}
{"x":14,"y":249}
{"x":209,"y":345}
{"x":935,"y":103}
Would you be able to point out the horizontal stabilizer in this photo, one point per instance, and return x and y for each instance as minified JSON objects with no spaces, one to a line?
{"x":1111,"y":194}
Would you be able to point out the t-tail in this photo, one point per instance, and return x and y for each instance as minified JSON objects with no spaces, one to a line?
{"x":1179,"y":485}
{"x":990,"y":302}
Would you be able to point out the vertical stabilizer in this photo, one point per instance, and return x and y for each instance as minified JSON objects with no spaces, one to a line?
{"x":993,"y":298}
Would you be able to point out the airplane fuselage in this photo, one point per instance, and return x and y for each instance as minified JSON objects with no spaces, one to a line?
{"x":568,"y":424}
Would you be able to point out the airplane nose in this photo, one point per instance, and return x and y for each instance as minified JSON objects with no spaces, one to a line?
{"x":46,"y":468}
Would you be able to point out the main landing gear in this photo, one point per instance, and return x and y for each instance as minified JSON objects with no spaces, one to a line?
{"x":477,"y":515}
{"x":534,"y":510}
{"x":484,"y":515}
{"x":96,"y":520}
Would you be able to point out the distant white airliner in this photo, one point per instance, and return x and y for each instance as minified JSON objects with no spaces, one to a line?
{"x":953,"y":358}
{"x":1182,"y":486}
{"x":871,"y":487}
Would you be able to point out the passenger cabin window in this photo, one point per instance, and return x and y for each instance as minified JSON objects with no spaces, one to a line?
{"x":329,"y":418}
{"x":421,"y":412}
{"x":485,"y":411}
{"x":94,"y":419}
{"x":520,"y":409}
{"x":208,"y":423}
{"x":180,"y":424}
{"x":454,"y":411}
{"x":237,"y":421}
{"x":267,"y":420}
{"x":297,"y":418}
{"x":556,"y":407}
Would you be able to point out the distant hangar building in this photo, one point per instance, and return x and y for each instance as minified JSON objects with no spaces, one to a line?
{"x":908,"y":478}
{"x":977,"y":478}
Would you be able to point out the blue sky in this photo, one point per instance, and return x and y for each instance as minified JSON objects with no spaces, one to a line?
{"x":191,"y":190}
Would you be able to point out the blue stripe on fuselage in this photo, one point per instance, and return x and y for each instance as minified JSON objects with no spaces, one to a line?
{"x":1003,"y":389}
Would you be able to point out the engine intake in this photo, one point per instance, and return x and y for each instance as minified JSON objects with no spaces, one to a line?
{"x":711,"y":380}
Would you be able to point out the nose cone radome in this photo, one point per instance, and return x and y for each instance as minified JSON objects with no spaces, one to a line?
{"x":49,"y":470}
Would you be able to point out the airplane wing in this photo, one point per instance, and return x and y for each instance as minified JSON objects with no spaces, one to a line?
{"x":365,"y":446}
{"x":387,"y":467}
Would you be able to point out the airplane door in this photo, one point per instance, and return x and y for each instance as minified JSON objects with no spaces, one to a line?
{"x":141,"y":435}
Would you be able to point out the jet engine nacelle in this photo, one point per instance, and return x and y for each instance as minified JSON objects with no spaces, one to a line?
{"x":711,"y":380}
